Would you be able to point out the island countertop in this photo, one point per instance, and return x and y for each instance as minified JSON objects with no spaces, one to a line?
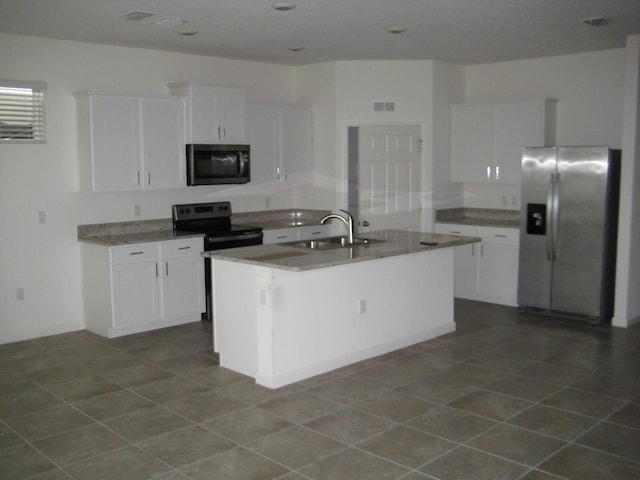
{"x":386,"y":243}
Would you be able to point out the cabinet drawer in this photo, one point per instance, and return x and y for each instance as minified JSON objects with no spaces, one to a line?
{"x":280,"y":235}
{"x":453,"y":229}
{"x":509,"y":236}
{"x":313,"y":231}
{"x":178,"y":248}
{"x":134,"y":253}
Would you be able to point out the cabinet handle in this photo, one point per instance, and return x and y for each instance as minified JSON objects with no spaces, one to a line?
{"x":489,"y":172}
{"x":277,"y":173}
{"x":458,"y":232}
{"x":156,"y":269}
{"x":316,"y":233}
{"x":285,"y":173}
{"x":282,"y":236}
{"x":481,"y":250}
{"x":166,"y":266}
{"x":184,"y":248}
{"x":136,"y":253}
{"x":499,"y":235}
{"x":473,"y":249}
{"x":497,"y":173}
{"x":138,"y":177}
{"x":149,"y":178}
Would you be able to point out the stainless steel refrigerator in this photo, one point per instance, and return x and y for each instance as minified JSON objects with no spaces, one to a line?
{"x":568,"y":231}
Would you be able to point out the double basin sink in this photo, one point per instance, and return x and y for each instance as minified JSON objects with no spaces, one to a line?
{"x":334,"y":242}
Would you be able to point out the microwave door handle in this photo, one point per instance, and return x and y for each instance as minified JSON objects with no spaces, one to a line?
{"x":242,"y":158}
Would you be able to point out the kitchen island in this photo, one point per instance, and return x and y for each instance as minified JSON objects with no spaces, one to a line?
{"x":286,"y":312}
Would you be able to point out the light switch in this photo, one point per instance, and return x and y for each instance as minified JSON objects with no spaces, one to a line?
{"x":42,"y":216}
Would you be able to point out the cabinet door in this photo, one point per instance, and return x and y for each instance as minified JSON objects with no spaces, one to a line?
{"x":232,"y":115}
{"x":183,"y":286}
{"x":296,"y":138}
{"x":471,"y":143}
{"x":163,"y":142}
{"x":498,"y":266}
{"x":135,"y":293}
{"x":465,"y":271}
{"x":115,"y":143}
{"x":465,"y":274}
{"x":203,"y":122}
{"x":265,"y":142}
{"x":516,"y":125}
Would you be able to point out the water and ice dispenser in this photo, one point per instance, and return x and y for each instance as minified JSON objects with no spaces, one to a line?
{"x":536,"y":218}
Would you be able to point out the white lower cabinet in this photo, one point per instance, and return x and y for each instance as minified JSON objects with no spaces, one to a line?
{"x":293,"y":234}
{"x":135,"y":288}
{"x":486,"y":271}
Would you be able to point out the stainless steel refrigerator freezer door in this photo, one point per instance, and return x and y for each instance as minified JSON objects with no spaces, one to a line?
{"x":534,"y":274}
{"x":577,"y":270}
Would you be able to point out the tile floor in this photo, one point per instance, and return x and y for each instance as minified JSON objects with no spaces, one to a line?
{"x":507,"y":396}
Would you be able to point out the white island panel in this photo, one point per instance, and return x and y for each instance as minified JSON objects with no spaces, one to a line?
{"x":280,"y":327}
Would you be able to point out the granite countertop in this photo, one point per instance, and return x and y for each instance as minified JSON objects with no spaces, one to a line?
{"x":159,"y":230}
{"x":139,"y":237}
{"x":481,"y":217}
{"x":287,"y":256}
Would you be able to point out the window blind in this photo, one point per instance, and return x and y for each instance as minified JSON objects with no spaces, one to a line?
{"x":22,"y":116}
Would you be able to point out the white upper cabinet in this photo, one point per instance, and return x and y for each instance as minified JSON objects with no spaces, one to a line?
{"x":487,"y":140}
{"x":163,"y":142}
{"x":131,"y":143}
{"x":214,"y":114}
{"x":281,"y":140}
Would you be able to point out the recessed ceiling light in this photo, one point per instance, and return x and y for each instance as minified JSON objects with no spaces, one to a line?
{"x":396,"y":30}
{"x":295,"y":49}
{"x":283,"y":6}
{"x":170,"y":22}
{"x":136,"y":15}
{"x":596,"y":21}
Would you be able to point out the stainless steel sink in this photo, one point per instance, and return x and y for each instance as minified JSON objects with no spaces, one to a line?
{"x":334,"y":242}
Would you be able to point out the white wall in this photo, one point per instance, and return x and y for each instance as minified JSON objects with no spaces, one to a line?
{"x":627,"y":304}
{"x":407,"y":83}
{"x":448,"y":88}
{"x":316,"y":87}
{"x":44,"y":259}
{"x":588,"y":87}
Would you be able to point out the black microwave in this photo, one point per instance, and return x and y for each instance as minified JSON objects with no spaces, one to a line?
{"x":217,"y":164}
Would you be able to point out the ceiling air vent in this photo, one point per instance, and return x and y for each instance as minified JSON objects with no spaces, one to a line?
{"x":136,"y":15}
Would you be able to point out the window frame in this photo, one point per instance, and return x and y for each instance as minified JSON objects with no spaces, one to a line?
{"x":22,"y":112}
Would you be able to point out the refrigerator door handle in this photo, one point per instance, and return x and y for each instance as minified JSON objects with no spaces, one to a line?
{"x":556,"y":216}
{"x":550,"y":212}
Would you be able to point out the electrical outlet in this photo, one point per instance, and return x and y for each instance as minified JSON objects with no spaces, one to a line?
{"x":514,"y":201}
{"x":267,"y":202}
{"x":20,"y":294}
{"x":136,"y":210}
{"x":504,"y":200}
{"x":362,"y":307}
{"x":42,"y":216}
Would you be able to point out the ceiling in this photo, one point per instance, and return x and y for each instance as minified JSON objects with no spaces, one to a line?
{"x":457,"y":31}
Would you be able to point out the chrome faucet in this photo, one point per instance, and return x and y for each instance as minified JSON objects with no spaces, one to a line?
{"x":348,"y":222}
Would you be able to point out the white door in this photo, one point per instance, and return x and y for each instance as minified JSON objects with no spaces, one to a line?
{"x":389,"y":158}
